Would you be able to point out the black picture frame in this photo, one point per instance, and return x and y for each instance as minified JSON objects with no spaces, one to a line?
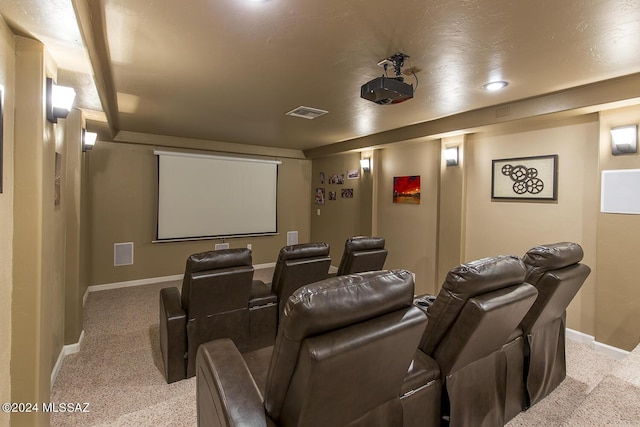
{"x":525,"y":178}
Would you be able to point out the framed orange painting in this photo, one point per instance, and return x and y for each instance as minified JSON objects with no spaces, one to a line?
{"x":406,"y":189}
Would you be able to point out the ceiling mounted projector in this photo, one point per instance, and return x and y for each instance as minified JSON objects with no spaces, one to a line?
{"x":388,"y":90}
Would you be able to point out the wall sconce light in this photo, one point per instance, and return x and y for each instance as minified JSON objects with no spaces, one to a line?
{"x":59,"y":101}
{"x":451,"y":156}
{"x":88,"y":140}
{"x":365,"y":164}
{"x":624,"y":140}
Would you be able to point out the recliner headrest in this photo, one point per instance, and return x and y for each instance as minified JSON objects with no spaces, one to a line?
{"x":224,"y":258}
{"x":304,"y":250}
{"x":544,"y":258}
{"x":363,"y":243}
{"x":553,"y":256}
{"x":486,"y":274}
{"x":339,"y":301}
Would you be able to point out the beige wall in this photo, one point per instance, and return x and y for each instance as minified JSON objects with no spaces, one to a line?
{"x":40,"y":232}
{"x":452,"y":210}
{"x":71,"y":204}
{"x":618,"y":293}
{"x":31,"y":345}
{"x":341,"y":218}
{"x":7,"y":76}
{"x":499,"y":227}
{"x":411,"y":231}
{"x":457,"y":221}
{"x":53,"y":243}
{"x":122,"y":183}
{"x":456,"y":205}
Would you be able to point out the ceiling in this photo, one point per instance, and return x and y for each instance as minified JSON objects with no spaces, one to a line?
{"x":229,"y":70}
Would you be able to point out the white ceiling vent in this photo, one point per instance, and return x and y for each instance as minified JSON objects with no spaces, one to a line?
{"x":307,"y":112}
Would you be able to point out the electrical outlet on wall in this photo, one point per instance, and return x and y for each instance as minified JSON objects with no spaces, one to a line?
{"x":249,"y":246}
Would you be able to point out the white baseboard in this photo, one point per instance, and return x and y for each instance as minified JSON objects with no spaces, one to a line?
{"x":152,"y":280}
{"x":578,"y":336}
{"x":74,"y":348}
{"x":130,"y":283}
{"x":613,"y":352}
{"x":84,"y":297}
{"x":65,"y":351}
{"x":265,"y":265}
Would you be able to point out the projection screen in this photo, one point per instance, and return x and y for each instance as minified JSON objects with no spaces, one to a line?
{"x":206,"y":196}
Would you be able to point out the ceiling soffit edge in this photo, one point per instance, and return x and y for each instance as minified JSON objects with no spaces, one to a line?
{"x":603,"y":95}
{"x":203,"y":144}
{"x":91,"y":26}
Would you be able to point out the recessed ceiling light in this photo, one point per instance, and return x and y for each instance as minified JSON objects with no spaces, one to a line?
{"x":493,"y":86}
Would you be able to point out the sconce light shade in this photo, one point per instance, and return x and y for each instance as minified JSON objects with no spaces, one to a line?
{"x":88,"y":140}
{"x":624,"y":140}
{"x":451,"y":156}
{"x":365,"y":164}
{"x":59,"y":101}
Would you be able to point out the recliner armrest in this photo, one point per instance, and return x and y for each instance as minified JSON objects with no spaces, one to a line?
{"x":173,"y":334}
{"x":261,"y":294}
{"x":170,"y":300}
{"x":420,"y":394}
{"x":226,"y":393}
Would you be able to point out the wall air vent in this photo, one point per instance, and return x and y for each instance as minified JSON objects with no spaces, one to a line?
{"x":306,"y":112}
{"x":122,"y":253}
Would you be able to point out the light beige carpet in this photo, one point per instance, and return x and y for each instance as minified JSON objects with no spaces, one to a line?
{"x":118,"y":371}
{"x":585,"y":370}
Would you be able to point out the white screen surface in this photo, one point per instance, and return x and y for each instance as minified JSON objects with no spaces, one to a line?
{"x":212,"y":196}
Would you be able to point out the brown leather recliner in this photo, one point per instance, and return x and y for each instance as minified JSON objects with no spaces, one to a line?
{"x":299,"y":265}
{"x":362,"y":253}
{"x":343,"y":349}
{"x":477,"y":311}
{"x":555,"y":270}
{"x":215,"y":302}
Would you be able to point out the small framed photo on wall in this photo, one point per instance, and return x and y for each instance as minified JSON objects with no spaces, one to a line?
{"x":319,"y":196}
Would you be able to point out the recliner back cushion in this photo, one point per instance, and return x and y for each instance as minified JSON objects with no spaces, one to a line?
{"x":223,"y":290}
{"x":464,"y":282}
{"x":205,"y":270}
{"x":298,"y":273}
{"x":362,"y":253}
{"x":327,"y":306}
{"x":555,"y":270}
{"x":297,"y":252}
{"x":556,"y":290}
{"x":344,"y":374}
{"x":359,"y":262}
{"x":485,"y":323}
